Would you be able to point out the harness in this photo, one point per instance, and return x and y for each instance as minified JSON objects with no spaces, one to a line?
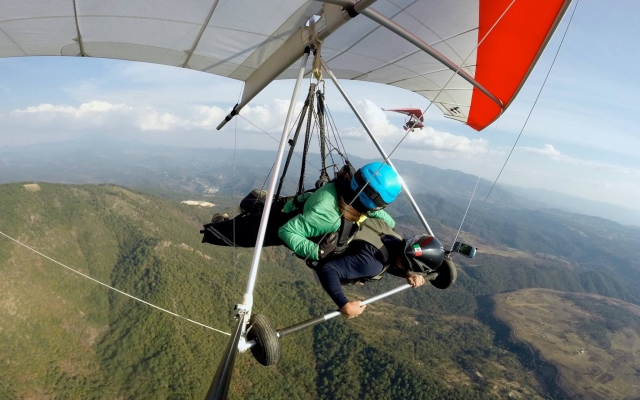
{"x":373,"y":236}
{"x":346,"y":231}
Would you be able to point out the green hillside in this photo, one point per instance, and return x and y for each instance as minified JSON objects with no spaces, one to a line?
{"x":66,"y":336}
{"x":592,"y":340}
{"x":63,"y":336}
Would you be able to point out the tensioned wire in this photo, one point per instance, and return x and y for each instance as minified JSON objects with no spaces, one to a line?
{"x":235,"y":150}
{"x":527,"y":120}
{"x":112,"y":288}
{"x":484,"y":162}
{"x":454,"y":74}
{"x":400,"y":142}
{"x":265,"y":132}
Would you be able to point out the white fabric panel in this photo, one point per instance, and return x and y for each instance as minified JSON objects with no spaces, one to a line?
{"x":162,"y":34}
{"x":133,"y":52}
{"x":187,"y":11}
{"x":9,"y":47}
{"x":12,"y":10}
{"x":35,"y":27}
{"x":44,"y":38}
{"x":262,"y":17}
{"x":243,"y":34}
{"x":446,"y":18}
{"x":460,"y":113}
{"x":236,"y":49}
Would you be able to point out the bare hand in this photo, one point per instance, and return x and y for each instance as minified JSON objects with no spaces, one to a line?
{"x":415,"y":280}
{"x":352,"y":309}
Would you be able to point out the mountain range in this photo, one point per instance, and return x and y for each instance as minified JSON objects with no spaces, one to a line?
{"x":64,"y":336}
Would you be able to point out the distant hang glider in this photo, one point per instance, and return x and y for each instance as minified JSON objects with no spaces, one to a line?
{"x":412,"y":44}
{"x":415,"y":117}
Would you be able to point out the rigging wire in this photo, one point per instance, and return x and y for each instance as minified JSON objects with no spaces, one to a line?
{"x":235,"y":150}
{"x":263,"y":131}
{"x":451,"y":78}
{"x":386,"y":159}
{"x":235,"y":147}
{"x":471,"y":53}
{"x":336,"y":136}
{"x":495,"y":129}
{"x":112,"y":288}
{"x":528,"y":116}
{"x":408,"y":131}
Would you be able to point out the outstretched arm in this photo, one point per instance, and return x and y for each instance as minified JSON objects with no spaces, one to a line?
{"x":413,"y":279}
{"x":330,"y":281}
{"x":295,"y":234}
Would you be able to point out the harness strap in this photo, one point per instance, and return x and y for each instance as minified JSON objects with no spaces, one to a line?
{"x":346,"y":231}
{"x":292,"y":142}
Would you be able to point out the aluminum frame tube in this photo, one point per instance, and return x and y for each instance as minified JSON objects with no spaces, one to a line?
{"x":318,"y":320}
{"x":199,"y":36}
{"x":219,"y":388}
{"x":247,"y":300}
{"x":416,"y":41}
{"x":405,"y":189}
{"x":333,"y":17}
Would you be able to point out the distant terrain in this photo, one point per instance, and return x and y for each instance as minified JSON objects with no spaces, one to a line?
{"x":207,"y":171}
{"x":67,"y":337}
{"x":594,"y":340}
{"x":62,"y":335}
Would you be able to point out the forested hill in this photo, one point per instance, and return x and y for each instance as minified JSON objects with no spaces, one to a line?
{"x":63,"y":336}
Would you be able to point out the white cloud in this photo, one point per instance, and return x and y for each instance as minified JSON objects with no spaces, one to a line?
{"x":429,"y":138}
{"x":154,"y":121}
{"x":378,"y":121}
{"x":89,"y":115}
{"x":208,"y":117}
{"x":104,"y":115}
{"x":550,"y":152}
{"x":547,"y":151}
{"x":91,"y":108}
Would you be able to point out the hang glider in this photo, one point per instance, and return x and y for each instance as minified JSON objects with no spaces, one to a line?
{"x":447,"y":51}
{"x":469,"y":57}
{"x":416,"y":118}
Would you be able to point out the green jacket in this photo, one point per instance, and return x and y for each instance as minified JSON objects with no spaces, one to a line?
{"x":320,"y":216}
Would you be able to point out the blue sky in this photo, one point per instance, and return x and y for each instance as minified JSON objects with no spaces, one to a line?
{"x":581,"y":139}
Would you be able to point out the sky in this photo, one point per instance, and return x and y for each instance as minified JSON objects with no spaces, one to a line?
{"x":581,"y":138}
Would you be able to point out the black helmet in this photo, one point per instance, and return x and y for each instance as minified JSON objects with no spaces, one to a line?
{"x":423,"y":253}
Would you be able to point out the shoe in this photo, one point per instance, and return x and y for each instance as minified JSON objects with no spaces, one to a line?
{"x":217,"y":217}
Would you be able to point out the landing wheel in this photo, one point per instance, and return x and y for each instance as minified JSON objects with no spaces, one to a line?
{"x":447,"y":275}
{"x":267,"y":347}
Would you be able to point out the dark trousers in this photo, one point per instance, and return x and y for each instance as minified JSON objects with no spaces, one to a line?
{"x":242,"y":231}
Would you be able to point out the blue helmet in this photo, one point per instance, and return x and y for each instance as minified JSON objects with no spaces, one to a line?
{"x":383,"y":188}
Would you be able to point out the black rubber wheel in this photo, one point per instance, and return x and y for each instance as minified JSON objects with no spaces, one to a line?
{"x":447,"y":275}
{"x":267,"y":347}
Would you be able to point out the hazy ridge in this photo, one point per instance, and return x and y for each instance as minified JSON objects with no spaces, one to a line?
{"x":61,"y":334}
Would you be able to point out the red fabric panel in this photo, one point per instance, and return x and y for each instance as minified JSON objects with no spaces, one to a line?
{"x":505,"y":55}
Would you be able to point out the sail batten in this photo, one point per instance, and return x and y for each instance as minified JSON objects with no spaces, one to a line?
{"x":243,"y":35}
